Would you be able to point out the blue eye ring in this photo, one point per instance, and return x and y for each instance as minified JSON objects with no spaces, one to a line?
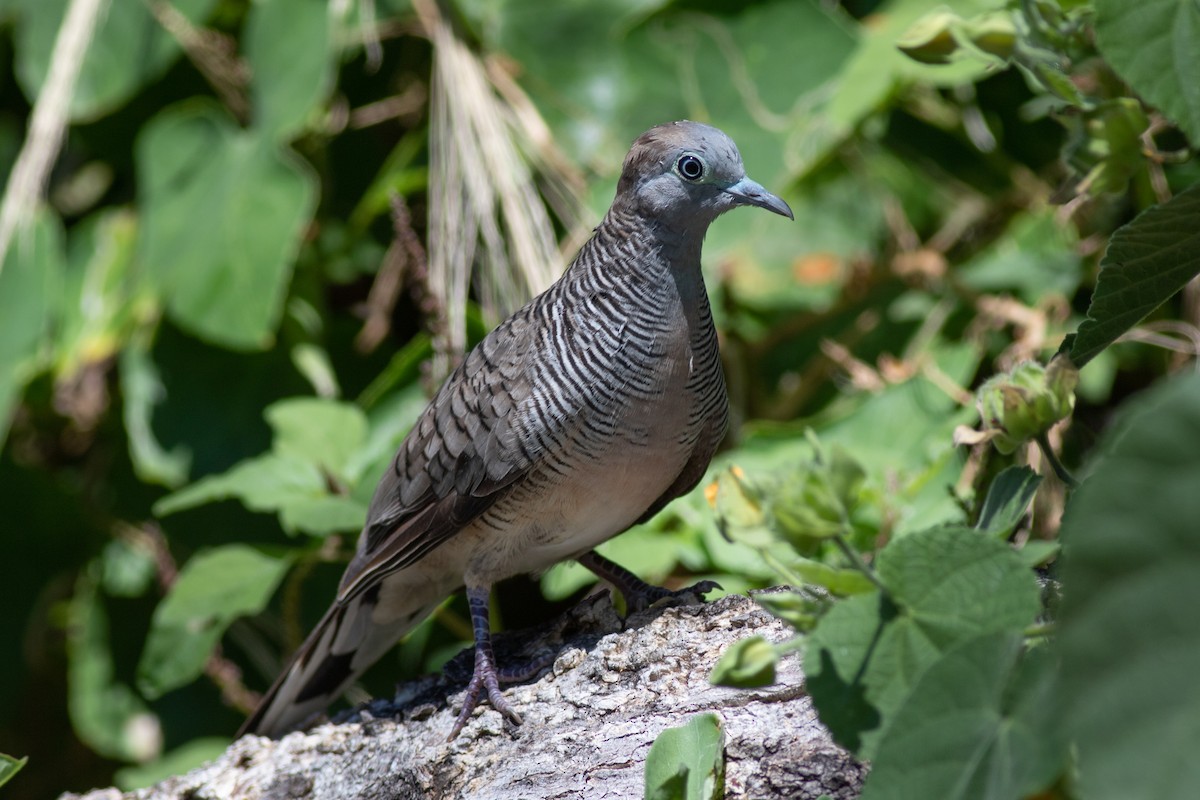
{"x":690,"y":167}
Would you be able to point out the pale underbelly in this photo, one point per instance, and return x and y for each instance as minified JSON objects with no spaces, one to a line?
{"x":543,"y":526}
{"x":576,"y":515}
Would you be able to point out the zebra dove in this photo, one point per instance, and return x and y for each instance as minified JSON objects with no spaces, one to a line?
{"x":585,"y":412}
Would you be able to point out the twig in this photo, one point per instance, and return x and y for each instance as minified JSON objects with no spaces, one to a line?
{"x":228,"y":678}
{"x":213,"y":54}
{"x":411,"y":101}
{"x":225,"y":674}
{"x":862,"y":375}
{"x":950,"y":387}
{"x":404,"y":255}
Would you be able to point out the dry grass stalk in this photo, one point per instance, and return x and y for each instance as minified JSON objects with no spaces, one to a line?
{"x":488,"y":222}
{"x":48,"y":122}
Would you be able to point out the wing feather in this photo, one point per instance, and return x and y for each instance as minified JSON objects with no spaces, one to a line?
{"x":459,"y":458}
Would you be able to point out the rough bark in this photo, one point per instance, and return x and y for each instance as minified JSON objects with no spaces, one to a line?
{"x":590,"y":719}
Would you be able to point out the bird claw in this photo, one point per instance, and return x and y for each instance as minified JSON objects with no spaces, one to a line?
{"x":700,"y":588}
{"x":636,"y":601}
{"x":638,"y":594}
{"x":485,"y":680}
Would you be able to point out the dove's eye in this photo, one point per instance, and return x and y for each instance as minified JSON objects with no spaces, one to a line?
{"x":690,"y":167}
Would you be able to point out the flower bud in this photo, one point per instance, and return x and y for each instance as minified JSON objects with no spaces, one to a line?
{"x":1027,"y":401}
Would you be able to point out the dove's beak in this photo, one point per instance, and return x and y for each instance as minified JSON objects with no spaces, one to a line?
{"x":751,"y":193}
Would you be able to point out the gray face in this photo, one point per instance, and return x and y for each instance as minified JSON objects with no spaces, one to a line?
{"x":690,"y":172}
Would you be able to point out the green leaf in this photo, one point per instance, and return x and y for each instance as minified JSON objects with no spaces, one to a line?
{"x":834,"y":666}
{"x":10,"y":766}
{"x":945,"y":585}
{"x":797,"y":609}
{"x":106,"y":714}
{"x":879,"y":68}
{"x":1042,"y":69}
{"x":982,"y":723}
{"x":1007,"y":499}
{"x":288,"y":45}
{"x":688,"y":762}
{"x":128,"y":50}
{"x":315,"y":458}
{"x":747,"y":663}
{"x":264,"y":483}
{"x":916,"y":460}
{"x":29,"y":287}
{"x":1131,"y":586}
{"x":321,"y":516}
{"x":1035,"y":256}
{"x":224,"y":213}
{"x":1110,"y":149}
{"x":182,"y":759}
{"x":951,"y":583}
{"x":918,"y":454}
{"x":213,"y":589}
{"x":931,"y":39}
{"x":614,"y":52}
{"x":842,"y":581}
{"x":325,"y":432}
{"x":1152,"y":45}
{"x":1147,"y":261}
{"x":104,"y":296}
{"x":738,"y":504}
{"x":142,"y":391}
{"x":274,"y":483}
{"x":1036,"y":552}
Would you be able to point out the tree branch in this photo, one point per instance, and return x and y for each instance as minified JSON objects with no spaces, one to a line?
{"x":589,"y":721}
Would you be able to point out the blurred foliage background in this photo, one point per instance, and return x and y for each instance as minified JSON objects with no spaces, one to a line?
{"x":273,"y":226}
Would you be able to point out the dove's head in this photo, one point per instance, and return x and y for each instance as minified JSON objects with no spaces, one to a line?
{"x":686,"y":173}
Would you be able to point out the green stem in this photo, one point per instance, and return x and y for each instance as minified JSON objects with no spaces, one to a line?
{"x":784,"y":571}
{"x":856,"y":560}
{"x":1039,"y":630}
{"x":852,"y":555}
{"x":1063,"y":474}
